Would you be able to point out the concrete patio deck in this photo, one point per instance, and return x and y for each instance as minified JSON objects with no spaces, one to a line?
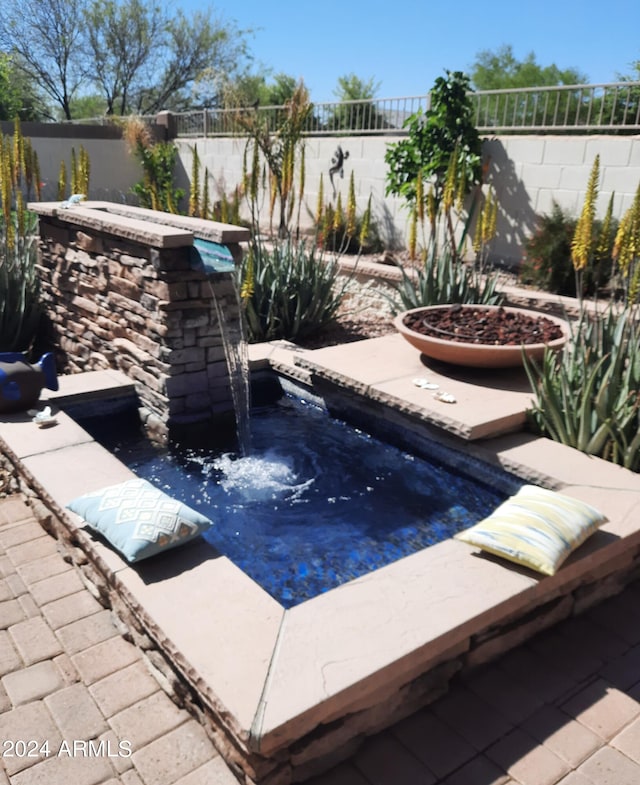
{"x":563,"y":708}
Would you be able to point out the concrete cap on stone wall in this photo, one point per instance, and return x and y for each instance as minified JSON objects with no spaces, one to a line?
{"x":149,"y":227}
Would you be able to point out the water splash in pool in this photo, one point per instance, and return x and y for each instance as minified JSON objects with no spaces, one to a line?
{"x":258,"y":478}
{"x":318,"y":503}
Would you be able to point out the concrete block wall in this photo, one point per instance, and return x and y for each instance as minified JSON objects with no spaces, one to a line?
{"x":121,"y":293}
{"x":527,"y":172}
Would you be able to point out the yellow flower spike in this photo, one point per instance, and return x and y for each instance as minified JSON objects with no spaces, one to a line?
{"x":479,"y":233}
{"x":582,"y":243}
{"x":36,"y":175}
{"x":254,"y":174}
{"x":18,"y":153}
{"x":5,"y":180}
{"x":327,"y":221}
{"x":491,"y":223}
{"x":338,"y":218}
{"x":420,"y":196}
{"x":626,"y":247}
{"x":74,"y":172}
{"x":449,"y":192}
{"x":604,"y":238}
{"x":351,"y":208}
{"x":20,"y":214}
{"x":461,"y":190}
{"x":366,"y":222}
{"x":432,"y":207}
{"x":413,"y":234}
{"x":206,"y":208}
{"x":302,"y":176}
{"x":273,"y":195}
{"x":85,"y":171}
{"x":248,"y":285}
{"x":634,"y":287}
{"x":194,"y":191}
{"x":320,"y":202}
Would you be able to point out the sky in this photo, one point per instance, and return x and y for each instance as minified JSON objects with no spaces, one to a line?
{"x":406,"y":45}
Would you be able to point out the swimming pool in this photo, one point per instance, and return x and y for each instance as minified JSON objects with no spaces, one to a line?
{"x":316,"y":503}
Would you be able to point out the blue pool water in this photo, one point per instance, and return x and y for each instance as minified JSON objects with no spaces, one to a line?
{"x":317,"y":503}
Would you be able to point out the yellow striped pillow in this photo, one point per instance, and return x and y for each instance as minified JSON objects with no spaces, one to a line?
{"x":537,"y":528}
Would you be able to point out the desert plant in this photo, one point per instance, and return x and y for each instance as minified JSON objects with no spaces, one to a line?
{"x":587,"y":395}
{"x":80,"y":171}
{"x":547,"y":263}
{"x":156,"y":190}
{"x":626,"y":251}
{"x":281,"y":151}
{"x":485,"y":230}
{"x":19,"y":284}
{"x":442,"y":280}
{"x":582,"y":244}
{"x":344,"y":231}
{"x":444,"y":277}
{"x":289,"y":289}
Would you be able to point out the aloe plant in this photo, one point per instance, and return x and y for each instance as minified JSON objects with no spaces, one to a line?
{"x":289,"y":290}
{"x":587,"y":395}
{"x":442,"y":280}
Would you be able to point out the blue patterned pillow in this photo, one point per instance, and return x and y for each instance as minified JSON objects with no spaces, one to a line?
{"x":138,"y":519}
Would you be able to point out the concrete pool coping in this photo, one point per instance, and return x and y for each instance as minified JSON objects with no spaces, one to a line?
{"x":288,"y":691}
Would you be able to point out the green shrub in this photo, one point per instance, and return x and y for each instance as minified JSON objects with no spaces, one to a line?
{"x":289,"y":290}
{"x":587,"y":395}
{"x":444,"y":132}
{"x":547,"y":264}
{"x":156,"y":190}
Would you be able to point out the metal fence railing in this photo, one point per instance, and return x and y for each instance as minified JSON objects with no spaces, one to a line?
{"x":612,"y":107}
{"x":600,"y":107}
{"x":378,"y":116}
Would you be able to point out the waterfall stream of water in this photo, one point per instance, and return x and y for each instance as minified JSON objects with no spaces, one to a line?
{"x":234,"y":342}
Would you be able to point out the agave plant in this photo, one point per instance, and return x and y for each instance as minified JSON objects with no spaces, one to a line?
{"x":587,"y":396}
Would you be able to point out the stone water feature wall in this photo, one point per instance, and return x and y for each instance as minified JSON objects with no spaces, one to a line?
{"x":121,"y":292}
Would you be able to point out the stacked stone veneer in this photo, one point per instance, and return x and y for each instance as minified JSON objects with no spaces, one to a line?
{"x":120,"y":292}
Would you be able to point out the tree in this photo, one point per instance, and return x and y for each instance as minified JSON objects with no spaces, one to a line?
{"x":141,"y":56}
{"x":17,"y":97}
{"x":191,"y":46}
{"x":90,"y":105}
{"x":358,"y":110}
{"x":47,"y":38}
{"x":121,"y":40}
{"x":351,"y":88}
{"x":502,"y":70}
{"x":445,"y":130}
{"x":634,"y":76}
{"x":251,"y":89}
{"x":442,"y":151}
{"x":622,"y":105}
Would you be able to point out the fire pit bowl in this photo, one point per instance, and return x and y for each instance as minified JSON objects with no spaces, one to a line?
{"x":481,"y":336}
